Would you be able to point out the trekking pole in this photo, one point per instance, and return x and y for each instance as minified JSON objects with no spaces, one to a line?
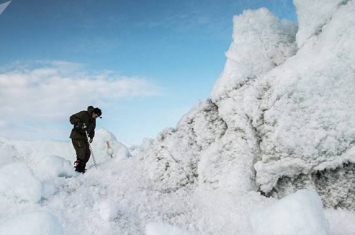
{"x":92,"y":154}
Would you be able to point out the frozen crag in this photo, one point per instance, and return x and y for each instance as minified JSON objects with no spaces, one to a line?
{"x":281,"y":116}
{"x":307,"y":125}
{"x":172,"y":158}
{"x":214,"y":145}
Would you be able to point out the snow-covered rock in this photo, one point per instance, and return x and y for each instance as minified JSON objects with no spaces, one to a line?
{"x":216,"y":142}
{"x":281,"y":114}
{"x":260,"y":43}
{"x":307,"y":125}
{"x":172,"y":158}
{"x":298,"y":213}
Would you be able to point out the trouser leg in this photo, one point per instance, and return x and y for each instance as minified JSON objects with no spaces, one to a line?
{"x":82,"y":154}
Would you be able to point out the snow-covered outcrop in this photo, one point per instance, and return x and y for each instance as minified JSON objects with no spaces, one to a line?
{"x":175,"y":153}
{"x":260,"y":43}
{"x":215,"y":144}
{"x":307,"y":129}
{"x":281,"y":116}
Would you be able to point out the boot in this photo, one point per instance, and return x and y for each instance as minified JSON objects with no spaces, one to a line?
{"x":76,"y":163}
{"x":79,"y":166}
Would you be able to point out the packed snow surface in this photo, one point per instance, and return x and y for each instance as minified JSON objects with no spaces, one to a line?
{"x":119,"y":197}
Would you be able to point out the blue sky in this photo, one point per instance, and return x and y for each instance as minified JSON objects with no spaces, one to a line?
{"x":145,"y":63}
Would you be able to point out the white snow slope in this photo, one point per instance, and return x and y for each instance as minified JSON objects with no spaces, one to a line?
{"x":280,"y":123}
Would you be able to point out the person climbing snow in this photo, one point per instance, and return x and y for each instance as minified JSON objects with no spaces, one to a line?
{"x":82,"y":133}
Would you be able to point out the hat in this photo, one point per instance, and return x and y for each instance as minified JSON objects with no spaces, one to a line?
{"x":97,"y":111}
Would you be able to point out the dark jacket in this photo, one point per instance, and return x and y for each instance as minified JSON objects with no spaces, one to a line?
{"x":84,"y":117}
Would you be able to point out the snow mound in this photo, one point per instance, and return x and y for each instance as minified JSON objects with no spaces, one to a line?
{"x":33,"y":223}
{"x":109,"y":151}
{"x":298,"y":213}
{"x":32,"y":152}
{"x":54,"y":166}
{"x":18,"y":183}
{"x":103,"y":139}
{"x":105,"y":135}
{"x":260,"y":43}
{"x":163,"y":229}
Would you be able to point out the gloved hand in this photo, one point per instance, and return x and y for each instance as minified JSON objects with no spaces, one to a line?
{"x":91,"y":139}
{"x":80,"y":126}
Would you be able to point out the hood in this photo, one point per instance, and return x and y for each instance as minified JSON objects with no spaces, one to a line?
{"x":90,"y":109}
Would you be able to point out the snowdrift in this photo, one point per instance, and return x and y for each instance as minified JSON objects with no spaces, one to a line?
{"x":34,"y":152}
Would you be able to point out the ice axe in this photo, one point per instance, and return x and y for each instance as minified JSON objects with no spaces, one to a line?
{"x":109,"y":150}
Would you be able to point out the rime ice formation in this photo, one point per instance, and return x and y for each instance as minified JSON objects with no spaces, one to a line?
{"x":281,"y":116}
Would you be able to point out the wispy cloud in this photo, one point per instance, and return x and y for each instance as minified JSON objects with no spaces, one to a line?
{"x":3,"y":6}
{"x":49,"y":91}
